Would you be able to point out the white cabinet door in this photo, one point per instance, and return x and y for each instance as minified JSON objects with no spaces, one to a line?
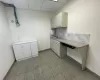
{"x":60,"y":20}
{"x":22,"y":51}
{"x":18,"y":51}
{"x":53,"y":23}
{"x":51,"y":44}
{"x":26,"y":48}
{"x":34,"y":49}
{"x":55,"y":46}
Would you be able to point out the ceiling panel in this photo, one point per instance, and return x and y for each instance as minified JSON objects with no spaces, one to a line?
{"x":59,"y":1}
{"x":45,"y":5}
{"x":49,"y":9}
{"x":51,"y":5}
{"x":35,"y":4}
{"x":62,"y":1}
{"x":20,"y":4}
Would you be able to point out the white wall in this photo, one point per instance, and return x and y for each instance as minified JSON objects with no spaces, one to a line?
{"x":34,"y":24}
{"x":84,"y":17}
{"x":6,"y":55}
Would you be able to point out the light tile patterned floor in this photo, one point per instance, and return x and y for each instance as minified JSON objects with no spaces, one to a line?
{"x":48,"y":66}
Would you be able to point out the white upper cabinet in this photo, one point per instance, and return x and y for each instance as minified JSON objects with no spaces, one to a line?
{"x":60,"y":20}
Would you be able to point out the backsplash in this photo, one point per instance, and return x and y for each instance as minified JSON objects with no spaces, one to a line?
{"x":59,"y":32}
{"x":84,"y":38}
{"x":62,"y":33}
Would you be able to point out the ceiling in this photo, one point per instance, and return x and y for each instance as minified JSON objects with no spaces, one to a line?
{"x":43,"y":5}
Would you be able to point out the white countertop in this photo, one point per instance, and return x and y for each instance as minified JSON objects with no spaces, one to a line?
{"x":23,"y":42}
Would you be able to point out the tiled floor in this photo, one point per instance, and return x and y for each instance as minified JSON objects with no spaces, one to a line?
{"x":47,"y":66}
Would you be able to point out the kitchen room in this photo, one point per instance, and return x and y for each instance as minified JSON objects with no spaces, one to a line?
{"x":49,"y":40}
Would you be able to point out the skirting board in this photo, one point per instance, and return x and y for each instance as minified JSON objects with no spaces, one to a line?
{"x":80,"y":65}
{"x":86,"y":68}
{"x":9,"y":70}
{"x":44,"y":50}
{"x":28,"y":57}
{"x":14,"y":63}
{"x":93,"y":73}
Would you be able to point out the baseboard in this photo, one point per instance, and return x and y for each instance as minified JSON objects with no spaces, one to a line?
{"x":93,"y":73}
{"x":27,"y":57}
{"x":34,"y":55}
{"x":80,"y":65}
{"x":86,"y":68}
{"x":9,"y":69}
{"x":44,"y":50}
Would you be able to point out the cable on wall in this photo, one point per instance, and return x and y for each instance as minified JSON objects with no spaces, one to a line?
{"x":15,"y":14}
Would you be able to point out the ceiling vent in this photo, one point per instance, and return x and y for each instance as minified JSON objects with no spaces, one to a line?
{"x":54,"y":0}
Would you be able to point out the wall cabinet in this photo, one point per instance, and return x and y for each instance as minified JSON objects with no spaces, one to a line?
{"x":60,"y":20}
{"x":24,"y":50}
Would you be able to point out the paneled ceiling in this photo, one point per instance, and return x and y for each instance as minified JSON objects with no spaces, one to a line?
{"x":43,"y":5}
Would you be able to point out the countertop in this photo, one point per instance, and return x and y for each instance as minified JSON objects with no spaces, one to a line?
{"x":70,"y":42}
{"x":23,"y":42}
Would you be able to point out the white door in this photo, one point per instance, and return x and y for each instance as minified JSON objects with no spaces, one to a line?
{"x":18,"y":51}
{"x":34,"y":49}
{"x":26,"y":48}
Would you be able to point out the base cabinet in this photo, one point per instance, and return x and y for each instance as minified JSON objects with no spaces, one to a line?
{"x":55,"y":46}
{"x":58,"y":48}
{"x":25,"y":50}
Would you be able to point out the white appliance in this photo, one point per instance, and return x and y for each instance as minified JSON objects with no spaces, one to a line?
{"x":25,"y":50}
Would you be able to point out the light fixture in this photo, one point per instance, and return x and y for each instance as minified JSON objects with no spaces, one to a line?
{"x":55,"y":0}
